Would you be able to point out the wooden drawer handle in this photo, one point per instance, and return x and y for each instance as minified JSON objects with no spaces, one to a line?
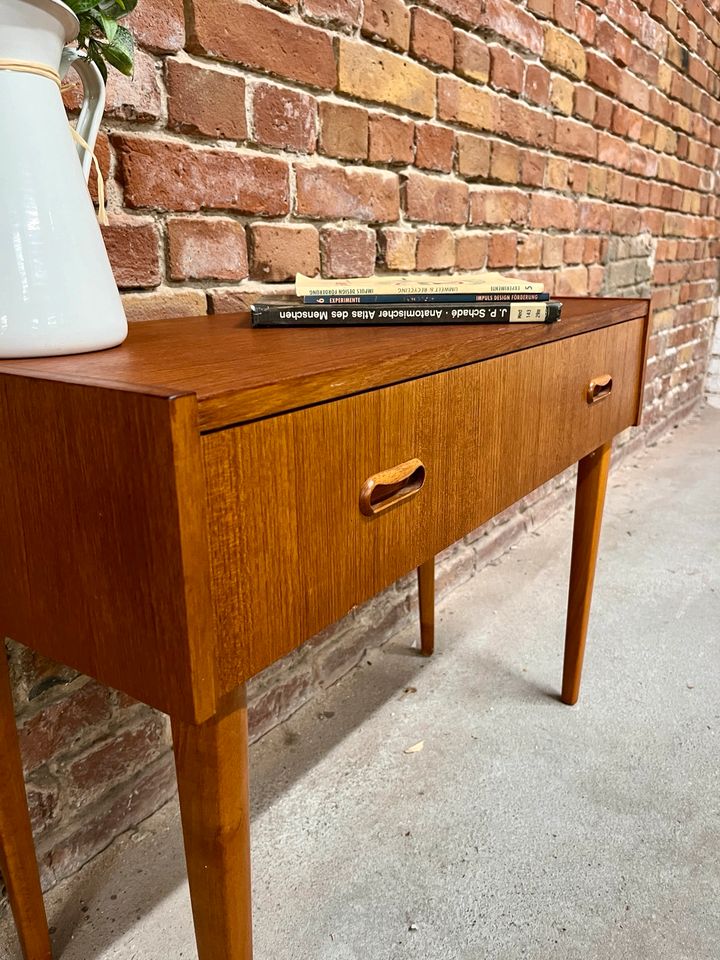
{"x":599,"y":388}
{"x":383,"y":490}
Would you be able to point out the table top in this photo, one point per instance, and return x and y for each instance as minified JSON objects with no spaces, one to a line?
{"x":240,"y":374}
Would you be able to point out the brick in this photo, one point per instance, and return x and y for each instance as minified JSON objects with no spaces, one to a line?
{"x":552,"y":251}
{"x":559,"y":213}
{"x":176,"y":176}
{"x":505,"y":162}
{"x":347,"y":251}
{"x":279,"y":251}
{"x":494,"y":206}
{"x":60,"y":726}
{"x":332,"y":193}
{"x":260,"y":38}
{"x":596,"y":280}
{"x":370,"y":73}
{"x":471,"y":251}
{"x":529,"y":250}
{"x":432,"y":38}
{"x":43,"y":805}
{"x":163,"y":303}
{"x":585,"y":103}
{"x":505,"y":18}
{"x":523,"y":123}
{"x":284,"y":118}
{"x":564,"y":14}
{"x":502,"y":250}
{"x":532,"y":168}
{"x":344,"y":13}
{"x":541,"y":8}
{"x":463,"y":103}
{"x":586,"y":24}
{"x":133,"y":251}
{"x":591,"y":251}
{"x":613,"y":151}
{"x":537,"y":84}
{"x":239,"y":299}
{"x":388,"y":20}
{"x":465,"y":10}
{"x":435,"y":249}
{"x":158,"y":25}
{"x":575,"y":138}
{"x":112,"y":759}
{"x":391,"y":139}
{"x":571,"y":282}
{"x":595,"y":215}
{"x":434,"y":147}
{"x":206,"y":249}
{"x":562,"y":95}
{"x":398,"y":248}
{"x":634,"y":91}
{"x":603,"y":111}
{"x":343,"y":131}
{"x":473,"y":155}
{"x":435,"y":200}
{"x":564,"y":53}
{"x":574,"y":249}
{"x":206,"y":102}
{"x":578,"y":177}
{"x":134,"y":98}
{"x":602,"y":73}
{"x":507,"y":70}
{"x":88,"y":834}
{"x":472,"y":57}
{"x":557,"y":173}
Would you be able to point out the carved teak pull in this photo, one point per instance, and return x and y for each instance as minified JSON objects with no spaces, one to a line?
{"x":599,"y":388}
{"x":389,"y":487}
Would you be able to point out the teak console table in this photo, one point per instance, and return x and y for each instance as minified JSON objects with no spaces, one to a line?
{"x":178,"y":513}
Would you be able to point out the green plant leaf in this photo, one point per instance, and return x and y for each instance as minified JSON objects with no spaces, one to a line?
{"x":95,"y":54}
{"x":108,"y":26}
{"x":120,"y":53}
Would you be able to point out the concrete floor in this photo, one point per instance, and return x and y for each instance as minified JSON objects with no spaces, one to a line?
{"x":523,"y":829}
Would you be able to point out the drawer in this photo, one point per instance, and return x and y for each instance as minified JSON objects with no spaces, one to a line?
{"x":486,"y":434}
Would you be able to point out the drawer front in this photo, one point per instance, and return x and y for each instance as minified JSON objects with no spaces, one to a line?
{"x":291,"y":549}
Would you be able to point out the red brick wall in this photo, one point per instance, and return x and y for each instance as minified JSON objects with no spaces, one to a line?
{"x":573,"y":142}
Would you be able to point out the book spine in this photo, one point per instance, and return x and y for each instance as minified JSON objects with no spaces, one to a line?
{"x":432,"y":298}
{"x":309,"y":315}
{"x":411,"y":290}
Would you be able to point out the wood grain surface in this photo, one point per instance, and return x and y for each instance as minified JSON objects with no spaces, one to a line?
{"x":212,"y":773}
{"x":18,"y":866}
{"x":291,"y":551}
{"x":589,"y":500}
{"x":103,"y":538}
{"x":241,"y":374}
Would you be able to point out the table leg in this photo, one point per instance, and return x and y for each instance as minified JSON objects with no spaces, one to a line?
{"x":18,"y":864}
{"x":589,"y":499}
{"x":426,"y":599}
{"x":212,"y":772}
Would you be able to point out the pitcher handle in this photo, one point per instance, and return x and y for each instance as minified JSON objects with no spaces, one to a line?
{"x":92,"y":108}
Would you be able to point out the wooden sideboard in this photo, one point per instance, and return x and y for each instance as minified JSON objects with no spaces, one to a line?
{"x":180,"y":512}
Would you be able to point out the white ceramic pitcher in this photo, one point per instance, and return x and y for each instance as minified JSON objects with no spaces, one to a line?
{"x":57,"y":291}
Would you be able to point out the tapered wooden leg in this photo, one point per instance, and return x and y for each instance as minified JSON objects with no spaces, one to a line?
{"x":426,"y":598}
{"x":212,"y":773}
{"x":589,"y":499}
{"x":17,"y":850}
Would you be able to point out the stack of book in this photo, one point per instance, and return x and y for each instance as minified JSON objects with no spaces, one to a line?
{"x":411,"y":299}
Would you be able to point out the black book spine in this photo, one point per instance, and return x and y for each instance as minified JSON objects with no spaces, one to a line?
{"x":376,"y":314}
